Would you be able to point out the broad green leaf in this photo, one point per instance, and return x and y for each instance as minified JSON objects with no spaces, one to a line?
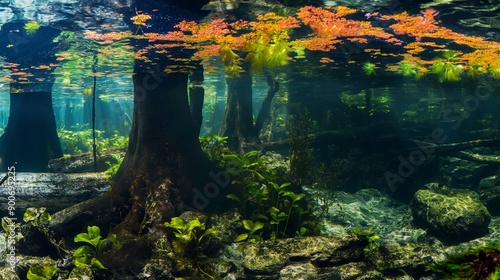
{"x":207,"y":232}
{"x":233,"y":197}
{"x":30,"y":214}
{"x":176,"y":223}
{"x":241,"y":237}
{"x":273,"y":210}
{"x":194,"y":224}
{"x":86,"y":238}
{"x":95,"y":263}
{"x":45,"y":216}
{"x":94,"y":232}
{"x":84,"y":251}
{"x":42,"y":272}
{"x":83,"y":261}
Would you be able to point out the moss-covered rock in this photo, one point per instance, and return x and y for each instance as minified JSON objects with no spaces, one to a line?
{"x":313,"y":255}
{"x":453,"y":215}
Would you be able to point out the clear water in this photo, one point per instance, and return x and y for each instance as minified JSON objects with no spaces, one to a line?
{"x":372,"y":120}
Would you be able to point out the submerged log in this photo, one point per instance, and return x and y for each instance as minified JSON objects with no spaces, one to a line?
{"x":55,"y":191}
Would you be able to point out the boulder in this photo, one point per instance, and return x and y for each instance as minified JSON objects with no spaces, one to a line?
{"x":312,"y":257}
{"x":452,"y":215}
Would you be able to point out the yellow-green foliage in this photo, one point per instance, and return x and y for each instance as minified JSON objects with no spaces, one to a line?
{"x":230,"y":61}
{"x":31,"y":27}
{"x":447,"y":70}
{"x":44,"y":271}
{"x":495,"y":72}
{"x":95,"y":245}
{"x":185,"y":233}
{"x":268,"y":55}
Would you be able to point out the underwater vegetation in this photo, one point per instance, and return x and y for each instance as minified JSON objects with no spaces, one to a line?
{"x":369,"y":68}
{"x":482,"y":262}
{"x":31,"y":27}
{"x":270,"y":206}
{"x":79,"y":140}
{"x":94,"y":245}
{"x":187,"y":244}
{"x":446,"y":69}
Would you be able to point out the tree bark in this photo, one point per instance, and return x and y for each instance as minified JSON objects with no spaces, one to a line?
{"x":265,"y":109}
{"x":30,"y":138}
{"x":164,"y":171}
{"x":238,"y":116}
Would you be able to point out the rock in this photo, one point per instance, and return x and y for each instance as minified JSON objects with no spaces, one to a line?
{"x":491,"y":198}
{"x":313,"y":255}
{"x":462,"y":174}
{"x":453,"y":215}
{"x":405,"y":253}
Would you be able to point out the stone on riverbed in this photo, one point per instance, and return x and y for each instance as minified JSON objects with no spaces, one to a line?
{"x":454,"y":215}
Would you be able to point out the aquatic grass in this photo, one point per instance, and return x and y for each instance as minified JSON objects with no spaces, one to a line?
{"x":446,"y":69}
{"x":369,"y":68}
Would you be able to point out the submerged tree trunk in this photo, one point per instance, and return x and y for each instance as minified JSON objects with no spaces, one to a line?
{"x":238,"y":124}
{"x":238,"y":116}
{"x":164,"y":171}
{"x":30,"y":138}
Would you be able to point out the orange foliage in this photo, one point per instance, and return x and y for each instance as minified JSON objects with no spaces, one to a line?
{"x":416,"y":26}
{"x":106,"y":38}
{"x":269,"y":36}
{"x":329,"y":26}
{"x":140,"y":19}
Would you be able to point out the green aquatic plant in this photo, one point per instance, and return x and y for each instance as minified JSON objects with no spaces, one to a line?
{"x":45,"y":271}
{"x":251,"y":228}
{"x":186,"y":233}
{"x":447,"y":70}
{"x":475,"y":71}
{"x":369,"y":68}
{"x":214,"y":146}
{"x":31,"y":27}
{"x":270,"y":55}
{"x":187,"y":244}
{"x":368,"y":234}
{"x":265,"y":204}
{"x":495,"y":72}
{"x":95,"y":245}
{"x":113,"y":166}
{"x":408,"y":69}
{"x":230,"y":60}
{"x":78,"y":140}
{"x":481,"y":262}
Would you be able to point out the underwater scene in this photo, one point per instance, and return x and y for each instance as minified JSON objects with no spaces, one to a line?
{"x":253,"y":140}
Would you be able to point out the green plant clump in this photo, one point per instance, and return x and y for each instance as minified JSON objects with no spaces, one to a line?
{"x":446,"y":70}
{"x":187,"y":241}
{"x":113,"y":166}
{"x":46,"y":271}
{"x":31,"y":27}
{"x":95,"y":245}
